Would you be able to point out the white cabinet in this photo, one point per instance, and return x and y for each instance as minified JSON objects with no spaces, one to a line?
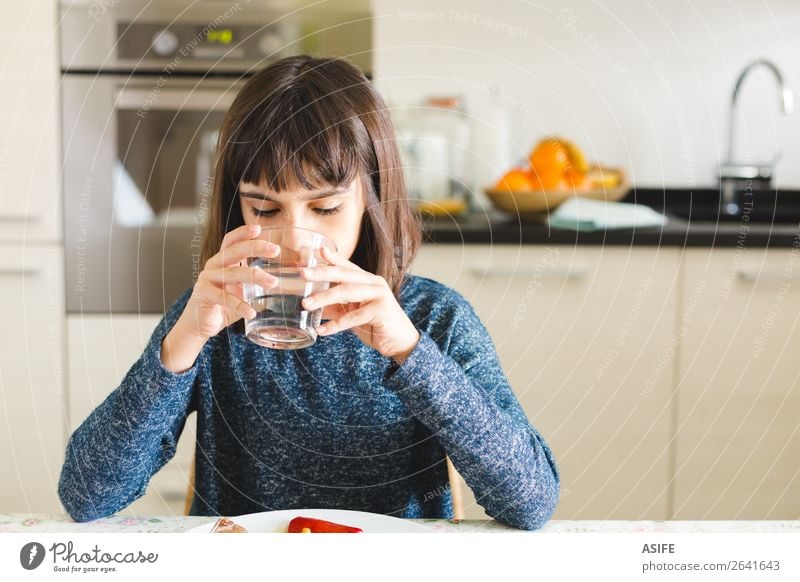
{"x":102,"y":350}
{"x":32,"y":386}
{"x":32,"y":436}
{"x":738,"y":425}
{"x":585,"y":336}
{"x":30,"y":201}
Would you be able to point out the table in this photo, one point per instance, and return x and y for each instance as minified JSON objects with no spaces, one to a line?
{"x":59,"y":523}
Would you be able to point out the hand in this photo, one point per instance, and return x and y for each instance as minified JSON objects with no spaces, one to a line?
{"x":362,"y":302}
{"x":217,"y":300}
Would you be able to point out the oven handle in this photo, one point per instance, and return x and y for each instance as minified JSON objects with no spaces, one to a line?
{"x":193,"y":99}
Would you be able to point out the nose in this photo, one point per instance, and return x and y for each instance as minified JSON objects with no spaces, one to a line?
{"x":291,"y":238}
{"x":296,"y":240}
{"x":294,"y":219}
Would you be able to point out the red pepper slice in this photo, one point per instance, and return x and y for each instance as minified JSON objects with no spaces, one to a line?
{"x":320,"y":526}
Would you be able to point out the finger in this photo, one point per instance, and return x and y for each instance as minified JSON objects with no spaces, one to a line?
{"x":238,"y":251}
{"x":355,"y":318}
{"x":339,"y":274}
{"x":234,"y":304}
{"x":244,"y":232}
{"x":337,"y":310}
{"x":345,"y":293}
{"x":237,"y":289}
{"x":335,"y":258}
{"x":232,"y":275}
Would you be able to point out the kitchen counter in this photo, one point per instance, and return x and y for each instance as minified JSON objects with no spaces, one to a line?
{"x":492,"y":227}
{"x":57,"y":523}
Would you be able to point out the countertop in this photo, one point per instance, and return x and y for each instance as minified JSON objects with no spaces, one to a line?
{"x":57,"y":523}
{"x":492,"y":227}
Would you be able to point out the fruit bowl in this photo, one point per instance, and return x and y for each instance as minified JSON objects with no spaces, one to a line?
{"x":537,"y":204}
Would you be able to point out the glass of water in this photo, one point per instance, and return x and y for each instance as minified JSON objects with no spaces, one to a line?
{"x":281,"y":321}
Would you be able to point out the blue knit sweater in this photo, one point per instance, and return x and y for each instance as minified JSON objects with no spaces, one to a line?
{"x":334,"y":425}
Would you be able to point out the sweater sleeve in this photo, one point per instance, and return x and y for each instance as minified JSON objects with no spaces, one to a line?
{"x":462,"y":395}
{"x":113,"y":454}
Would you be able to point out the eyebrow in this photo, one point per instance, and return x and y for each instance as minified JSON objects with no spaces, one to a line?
{"x":316,"y":196}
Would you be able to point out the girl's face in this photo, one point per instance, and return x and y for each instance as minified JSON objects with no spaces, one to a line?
{"x":336,"y":213}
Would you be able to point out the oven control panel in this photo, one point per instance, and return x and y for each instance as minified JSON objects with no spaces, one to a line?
{"x":187,"y":42}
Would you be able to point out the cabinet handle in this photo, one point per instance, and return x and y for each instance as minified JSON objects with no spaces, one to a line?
{"x":753,"y":275}
{"x":19,"y":217}
{"x":22,"y":272}
{"x":574,"y":274}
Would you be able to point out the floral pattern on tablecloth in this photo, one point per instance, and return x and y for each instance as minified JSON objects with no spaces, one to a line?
{"x":57,"y":523}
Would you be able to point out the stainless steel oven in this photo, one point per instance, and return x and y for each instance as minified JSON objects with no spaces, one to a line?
{"x":145,"y":87}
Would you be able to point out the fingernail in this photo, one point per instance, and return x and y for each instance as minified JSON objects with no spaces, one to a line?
{"x":322,"y":329}
{"x":308,"y":271}
{"x":309,"y":302}
{"x":255,"y":227}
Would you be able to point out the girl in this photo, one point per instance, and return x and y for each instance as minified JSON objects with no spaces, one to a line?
{"x":403,"y":372}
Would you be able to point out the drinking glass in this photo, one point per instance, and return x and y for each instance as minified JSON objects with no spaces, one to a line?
{"x":281,"y":321}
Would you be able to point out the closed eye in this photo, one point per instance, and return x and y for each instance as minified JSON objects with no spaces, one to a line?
{"x":274,"y":211}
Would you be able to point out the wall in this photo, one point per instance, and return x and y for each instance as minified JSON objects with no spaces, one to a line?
{"x":641,"y":85}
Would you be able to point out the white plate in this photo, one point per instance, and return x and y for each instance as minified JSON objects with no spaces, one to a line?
{"x":278,"y":521}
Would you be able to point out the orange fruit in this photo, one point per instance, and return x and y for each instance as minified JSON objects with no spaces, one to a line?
{"x":547,"y":179}
{"x":549,"y":156}
{"x":517,"y":180}
{"x":556,"y":156}
{"x":574,"y":179}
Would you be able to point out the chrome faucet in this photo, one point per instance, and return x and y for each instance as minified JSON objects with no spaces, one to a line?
{"x":732,"y":173}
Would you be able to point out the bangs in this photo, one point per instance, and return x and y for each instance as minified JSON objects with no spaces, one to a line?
{"x":295,"y":140}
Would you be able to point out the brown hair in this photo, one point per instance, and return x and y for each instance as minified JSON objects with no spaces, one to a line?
{"x":313,"y":122}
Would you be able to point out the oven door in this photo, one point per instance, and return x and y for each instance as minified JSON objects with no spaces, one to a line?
{"x":137,"y":183}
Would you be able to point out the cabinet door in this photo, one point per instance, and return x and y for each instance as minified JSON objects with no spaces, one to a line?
{"x":738,"y":445}
{"x":32,"y":436}
{"x":30,"y":206}
{"x":584,"y":336}
{"x":102,"y":348}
